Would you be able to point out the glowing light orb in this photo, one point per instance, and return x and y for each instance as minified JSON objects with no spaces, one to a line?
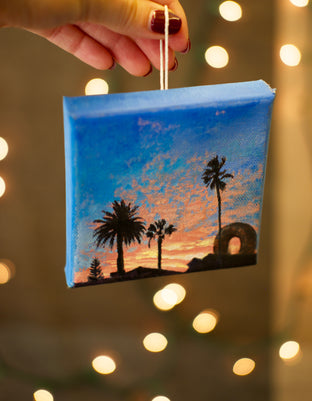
{"x":160,"y":398}
{"x":155,"y":342}
{"x":4,"y":148}
{"x":104,"y":365}
{"x":300,"y":3}
{"x":290,"y":55}
{"x":243,"y":367}
{"x":217,"y":57}
{"x":43,"y":395}
{"x":97,"y":86}
{"x":165,"y":299}
{"x":2,"y":187}
{"x":230,"y":10}
{"x":289,"y":350}
{"x":179,"y":291}
{"x":205,"y":322}
{"x":5,"y":273}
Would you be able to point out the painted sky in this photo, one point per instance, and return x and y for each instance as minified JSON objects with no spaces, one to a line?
{"x":156,"y":161}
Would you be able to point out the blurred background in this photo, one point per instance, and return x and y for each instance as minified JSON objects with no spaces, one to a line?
{"x":256,"y":339}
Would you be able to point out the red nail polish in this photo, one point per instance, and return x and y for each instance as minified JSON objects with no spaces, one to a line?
{"x":175,"y":66}
{"x":188,"y":47}
{"x":158,"y":22}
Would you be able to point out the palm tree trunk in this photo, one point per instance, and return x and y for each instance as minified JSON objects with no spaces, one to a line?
{"x":159,"y":243}
{"x":219,"y":219}
{"x":120,"y":257}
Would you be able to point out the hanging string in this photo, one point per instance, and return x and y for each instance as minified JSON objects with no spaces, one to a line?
{"x":164,"y":64}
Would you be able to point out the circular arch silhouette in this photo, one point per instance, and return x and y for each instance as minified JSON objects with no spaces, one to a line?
{"x":246,"y":234}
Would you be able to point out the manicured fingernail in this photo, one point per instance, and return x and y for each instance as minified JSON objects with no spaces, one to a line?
{"x":175,"y":66}
{"x":158,"y":22}
{"x":113,"y":65}
{"x":188,"y":47}
{"x":149,"y":72}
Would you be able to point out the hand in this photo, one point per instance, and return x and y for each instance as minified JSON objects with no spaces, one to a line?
{"x":102,"y":32}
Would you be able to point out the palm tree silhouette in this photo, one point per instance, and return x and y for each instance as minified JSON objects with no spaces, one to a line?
{"x":122,"y":226}
{"x":158,"y":230}
{"x":214,"y":177}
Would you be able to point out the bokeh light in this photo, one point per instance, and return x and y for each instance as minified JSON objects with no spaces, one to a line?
{"x":230,"y":10}
{"x":179,"y":291}
{"x":243,"y":367}
{"x":97,"y":86}
{"x":155,"y":342}
{"x":300,"y":3}
{"x":5,"y":273}
{"x":43,"y":395}
{"x":205,"y":322}
{"x":289,"y":350}
{"x":217,"y":57}
{"x":290,"y":55}
{"x":104,"y":365}
{"x":160,"y":398}
{"x":4,"y":148}
{"x":2,"y":187}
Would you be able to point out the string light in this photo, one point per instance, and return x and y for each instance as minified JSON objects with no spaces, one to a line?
{"x":43,"y":395}
{"x":4,"y":148}
{"x":230,"y":10}
{"x":289,"y":350}
{"x":97,"y":86}
{"x":243,"y":367}
{"x":205,"y":322}
{"x":155,"y":342}
{"x":179,"y":291}
{"x":2,"y":187}
{"x":160,"y":398}
{"x":169,"y":296}
{"x":300,"y":3}
{"x":104,"y":365}
{"x":217,"y":57}
{"x":290,"y":55}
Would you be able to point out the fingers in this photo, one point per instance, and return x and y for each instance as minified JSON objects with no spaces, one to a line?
{"x":124,"y":50}
{"x":73,"y":40}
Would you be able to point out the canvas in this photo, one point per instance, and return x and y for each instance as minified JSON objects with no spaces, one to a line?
{"x":164,"y":182}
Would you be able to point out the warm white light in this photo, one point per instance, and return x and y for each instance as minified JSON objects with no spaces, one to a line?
{"x":300,"y":3}
{"x":43,"y":395}
{"x":290,"y":55}
{"x":230,"y":10}
{"x":160,"y":398}
{"x":179,"y":291}
{"x":205,"y":322}
{"x":289,"y":350}
{"x":165,"y":299}
{"x":97,"y":86}
{"x":243,"y":367}
{"x":2,"y":186}
{"x":217,"y":56}
{"x":5,"y":273}
{"x":4,"y":148}
{"x":103,"y":365}
{"x":155,"y":342}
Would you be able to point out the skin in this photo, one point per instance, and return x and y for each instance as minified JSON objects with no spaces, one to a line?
{"x":99,"y":32}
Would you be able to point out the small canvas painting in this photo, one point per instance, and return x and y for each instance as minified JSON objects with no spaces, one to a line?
{"x":156,"y":190}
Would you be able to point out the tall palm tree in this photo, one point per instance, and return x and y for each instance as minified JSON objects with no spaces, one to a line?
{"x":213,"y":178}
{"x":122,"y":226}
{"x":158,"y":230}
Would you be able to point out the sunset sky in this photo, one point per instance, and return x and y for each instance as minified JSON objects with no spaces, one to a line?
{"x":155,"y":161}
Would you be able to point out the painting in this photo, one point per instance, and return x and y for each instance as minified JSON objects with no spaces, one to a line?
{"x":164,"y":182}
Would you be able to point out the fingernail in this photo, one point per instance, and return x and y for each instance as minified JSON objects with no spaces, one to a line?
{"x":175,"y":66}
{"x":188,"y":47}
{"x":149,"y":72}
{"x":113,"y":65}
{"x":158,"y":22}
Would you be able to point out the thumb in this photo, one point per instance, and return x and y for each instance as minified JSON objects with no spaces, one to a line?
{"x":136,"y":18}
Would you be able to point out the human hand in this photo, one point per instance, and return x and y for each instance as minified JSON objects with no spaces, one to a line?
{"x":102,"y":32}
